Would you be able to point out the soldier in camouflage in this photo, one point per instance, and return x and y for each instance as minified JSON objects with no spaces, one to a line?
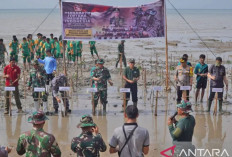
{"x":121,"y":53}
{"x":36,"y":142}
{"x":101,"y":75}
{"x":89,"y":142}
{"x":2,"y":53}
{"x":38,"y":80}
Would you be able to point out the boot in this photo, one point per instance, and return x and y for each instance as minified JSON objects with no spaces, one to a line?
{"x":36,"y":105}
{"x":45,"y":107}
{"x":220,"y":105}
{"x":135,"y":104}
{"x":209,"y":105}
{"x":104,"y":107}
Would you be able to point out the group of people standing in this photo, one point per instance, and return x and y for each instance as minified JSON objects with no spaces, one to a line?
{"x":128,"y":140}
{"x":216,"y":73}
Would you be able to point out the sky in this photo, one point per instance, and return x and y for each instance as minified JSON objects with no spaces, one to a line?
{"x":179,"y":4}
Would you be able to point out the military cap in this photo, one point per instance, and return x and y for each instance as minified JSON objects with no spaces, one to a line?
{"x":132,"y":60}
{"x":101,"y":61}
{"x":185,"y":106}
{"x":86,"y":121}
{"x":38,"y":117}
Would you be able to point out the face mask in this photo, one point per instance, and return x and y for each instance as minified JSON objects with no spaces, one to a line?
{"x":218,"y":64}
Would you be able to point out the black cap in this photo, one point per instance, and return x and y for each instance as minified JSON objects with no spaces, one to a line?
{"x":132,"y":60}
{"x":12,"y":59}
{"x":51,"y":34}
{"x":219,"y":59}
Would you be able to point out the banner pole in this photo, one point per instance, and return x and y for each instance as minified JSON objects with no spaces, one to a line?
{"x":65,"y":70}
{"x":166,"y":49}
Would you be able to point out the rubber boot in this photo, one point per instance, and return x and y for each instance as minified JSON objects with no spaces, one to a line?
{"x":135,"y":104}
{"x":209,"y":105}
{"x":220,"y":105}
{"x":45,"y":107}
{"x":104,"y":107}
{"x":36,"y":105}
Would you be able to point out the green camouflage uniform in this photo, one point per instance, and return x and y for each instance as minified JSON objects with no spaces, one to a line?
{"x":88,"y":145}
{"x":2,"y":54}
{"x":14,"y":53}
{"x":38,"y":143}
{"x":121,"y":50}
{"x":101,"y":85}
{"x":34,"y":81}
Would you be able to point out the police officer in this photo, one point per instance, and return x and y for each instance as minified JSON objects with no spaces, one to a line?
{"x":121,"y":53}
{"x":101,"y":75}
{"x":217,"y":75}
{"x":183,"y":77}
{"x":38,"y":79}
{"x":37,"y":142}
{"x":90,"y":141}
{"x":131,"y":76}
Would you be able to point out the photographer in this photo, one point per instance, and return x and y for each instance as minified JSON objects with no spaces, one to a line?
{"x":90,"y":141}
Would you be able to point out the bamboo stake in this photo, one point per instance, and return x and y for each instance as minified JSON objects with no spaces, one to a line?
{"x":64,"y":62}
{"x":10,"y":109}
{"x":124,"y":102}
{"x":156,"y":102}
{"x":93,"y":106}
{"x":207,"y":92}
{"x":121,"y":64}
{"x":145,"y":80}
{"x":156,"y":68}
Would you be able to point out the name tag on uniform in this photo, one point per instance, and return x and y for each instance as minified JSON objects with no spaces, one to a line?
{"x":64,"y":88}
{"x":124,"y":90}
{"x":91,"y":90}
{"x":217,"y":90}
{"x":157,"y":88}
{"x":185,"y":87}
{"x":9,"y":88}
{"x":39,"y":89}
